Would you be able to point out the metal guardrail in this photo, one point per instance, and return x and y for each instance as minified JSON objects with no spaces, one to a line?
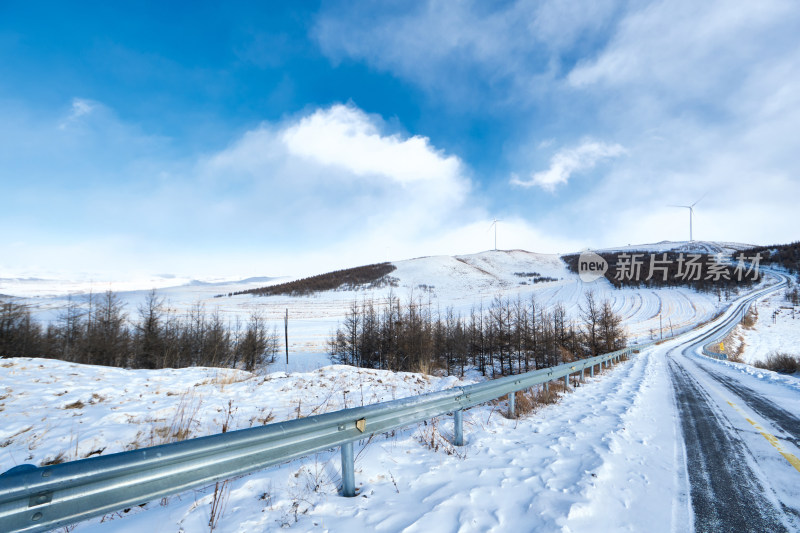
{"x":41,"y":498}
{"x":714,"y":355}
{"x":721,"y":332}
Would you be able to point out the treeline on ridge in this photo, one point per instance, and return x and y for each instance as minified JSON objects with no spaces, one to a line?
{"x":371,"y":276}
{"x":507,"y":337}
{"x":714,"y":277}
{"x":101,"y":333}
{"x":784,"y":255}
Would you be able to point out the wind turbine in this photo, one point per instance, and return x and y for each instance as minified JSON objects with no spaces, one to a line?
{"x":494,"y":223}
{"x":691,"y":212}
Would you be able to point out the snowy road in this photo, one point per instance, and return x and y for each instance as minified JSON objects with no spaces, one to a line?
{"x":740,"y":438}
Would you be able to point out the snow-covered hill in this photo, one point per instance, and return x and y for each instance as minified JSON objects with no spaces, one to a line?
{"x":461,"y":282}
{"x":700,"y":247}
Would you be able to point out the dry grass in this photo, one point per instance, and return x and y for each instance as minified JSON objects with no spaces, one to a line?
{"x":429,"y":435}
{"x":228,"y":377}
{"x":57,"y":460}
{"x":735,"y":339}
{"x":734,"y":346}
{"x":178,"y":429}
{"x":263,"y":419}
{"x":524,"y":403}
{"x":750,"y":318}
{"x":230,"y":411}
{"x":10,"y":439}
{"x":531,"y":400}
{"x":75,"y":405}
{"x":185,"y":414}
{"x":219,"y":499}
{"x":566,"y":355}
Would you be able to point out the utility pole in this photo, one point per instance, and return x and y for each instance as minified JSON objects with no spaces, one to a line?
{"x":286,"y":337}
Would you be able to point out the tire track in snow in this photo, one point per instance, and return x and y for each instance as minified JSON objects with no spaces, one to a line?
{"x":779,"y":417}
{"x":725,"y":494}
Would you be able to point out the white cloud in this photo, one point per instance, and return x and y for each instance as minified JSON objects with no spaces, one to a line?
{"x":80,"y":107}
{"x":345,"y":137}
{"x":338,"y":161}
{"x":449,"y":48}
{"x":333,"y":183}
{"x":691,"y":48}
{"x":568,"y":161}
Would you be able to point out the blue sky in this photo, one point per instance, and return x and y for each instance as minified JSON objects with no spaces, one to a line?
{"x":244,"y":138}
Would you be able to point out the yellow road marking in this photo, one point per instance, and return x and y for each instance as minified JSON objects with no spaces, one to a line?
{"x":772,"y":439}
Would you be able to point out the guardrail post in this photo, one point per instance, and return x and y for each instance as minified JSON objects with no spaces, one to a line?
{"x":591,"y":371}
{"x":566,"y":382}
{"x":582,"y":378}
{"x":512,"y":403}
{"x":348,"y":470}
{"x":458,"y":428}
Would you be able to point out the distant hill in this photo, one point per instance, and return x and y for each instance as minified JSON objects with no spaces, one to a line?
{"x":484,"y":272}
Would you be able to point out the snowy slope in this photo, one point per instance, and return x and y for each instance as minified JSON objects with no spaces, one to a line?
{"x":462,"y":282}
{"x":777,"y":330}
{"x":548,"y":470}
{"x":703,"y":247}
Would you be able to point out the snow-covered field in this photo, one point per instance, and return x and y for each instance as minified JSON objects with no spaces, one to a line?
{"x":461,"y":282}
{"x":550,"y":469}
{"x":777,"y":330}
{"x":606,"y":457}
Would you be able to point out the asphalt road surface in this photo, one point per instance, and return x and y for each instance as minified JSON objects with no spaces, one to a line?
{"x":741,"y":438}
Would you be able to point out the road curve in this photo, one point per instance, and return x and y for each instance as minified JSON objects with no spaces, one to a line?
{"x":741,"y":438}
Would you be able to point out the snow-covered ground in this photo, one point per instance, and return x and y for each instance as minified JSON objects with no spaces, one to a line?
{"x":599,"y":457}
{"x":605,"y":457}
{"x":461,"y":282}
{"x":777,"y":330}
{"x":608,"y":456}
{"x":52,"y":407}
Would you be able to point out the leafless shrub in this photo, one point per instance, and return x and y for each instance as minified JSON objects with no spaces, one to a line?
{"x":781,"y":362}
